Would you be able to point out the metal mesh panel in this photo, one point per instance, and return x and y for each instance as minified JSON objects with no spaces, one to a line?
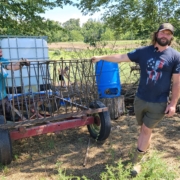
{"x":40,"y":95}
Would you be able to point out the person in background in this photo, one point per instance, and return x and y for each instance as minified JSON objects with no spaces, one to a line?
{"x":63,"y":73}
{"x":5,"y":107}
{"x":159,"y":64}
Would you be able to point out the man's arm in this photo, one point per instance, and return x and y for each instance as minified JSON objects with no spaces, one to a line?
{"x":59,"y":71}
{"x":18,"y":65}
{"x":14,"y":67}
{"x":171,"y":108}
{"x":112,"y":58}
{"x":66,"y":74}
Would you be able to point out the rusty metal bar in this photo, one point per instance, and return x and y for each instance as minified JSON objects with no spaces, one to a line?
{"x":54,"y":118}
{"x":50,"y":128}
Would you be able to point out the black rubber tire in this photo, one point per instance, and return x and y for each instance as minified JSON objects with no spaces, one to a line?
{"x":5,"y":145}
{"x":101,"y":131}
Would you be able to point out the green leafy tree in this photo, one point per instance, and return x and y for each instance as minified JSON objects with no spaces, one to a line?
{"x":76,"y":36}
{"x":72,"y":28}
{"x":72,"y":24}
{"x":22,"y":17}
{"x":140,"y":17}
{"x":92,"y":31}
{"x":108,"y":35}
{"x":130,"y":19}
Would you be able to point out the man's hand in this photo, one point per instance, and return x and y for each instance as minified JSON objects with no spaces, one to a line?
{"x":95,"y":59}
{"x":24,"y":62}
{"x":170,"y":110}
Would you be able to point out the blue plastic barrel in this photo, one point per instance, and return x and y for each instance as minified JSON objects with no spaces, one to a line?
{"x":107,"y":79}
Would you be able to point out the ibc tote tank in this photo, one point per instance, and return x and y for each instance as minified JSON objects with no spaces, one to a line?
{"x":107,"y":79}
{"x":34,"y":49}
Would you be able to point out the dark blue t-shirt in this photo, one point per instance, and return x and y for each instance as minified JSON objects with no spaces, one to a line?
{"x":156,"y":72}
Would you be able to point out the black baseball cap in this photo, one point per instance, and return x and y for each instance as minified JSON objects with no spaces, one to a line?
{"x":166,"y":26}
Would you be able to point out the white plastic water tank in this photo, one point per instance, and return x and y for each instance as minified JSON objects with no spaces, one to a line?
{"x":34,"y":49}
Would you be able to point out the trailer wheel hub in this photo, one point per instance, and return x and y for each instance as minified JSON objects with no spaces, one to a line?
{"x":97,"y":120}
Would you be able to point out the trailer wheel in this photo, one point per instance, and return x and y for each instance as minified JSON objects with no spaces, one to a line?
{"x":101,"y":127}
{"x":5,"y":145}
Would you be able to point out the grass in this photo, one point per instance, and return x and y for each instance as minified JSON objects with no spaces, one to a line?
{"x":121,"y":42}
{"x":4,"y":169}
{"x":155,"y":168}
{"x":125,"y":68}
{"x":152,"y":169}
{"x":116,"y":172}
{"x":101,"y":49}
{"x":108,"y":47}
{"x":63,"y":176}
{"x":82,"y":54}
{"x":178,"y":158}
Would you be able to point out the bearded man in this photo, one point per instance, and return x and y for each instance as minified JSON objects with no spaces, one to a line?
{"x":160,"y":65}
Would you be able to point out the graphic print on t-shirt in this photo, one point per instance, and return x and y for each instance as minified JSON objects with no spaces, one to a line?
{"x":178,"y":68}
{"x":154,"y":70}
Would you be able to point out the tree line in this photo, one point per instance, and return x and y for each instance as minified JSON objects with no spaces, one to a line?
{"x":121,"y":19}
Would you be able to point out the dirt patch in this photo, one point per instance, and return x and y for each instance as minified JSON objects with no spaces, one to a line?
{"x":75,"y":46}
{"x":67,"y":45}
{"x":39,"y":157}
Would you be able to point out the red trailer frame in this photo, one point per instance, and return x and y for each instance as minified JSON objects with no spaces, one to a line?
{"x":52,"y":108}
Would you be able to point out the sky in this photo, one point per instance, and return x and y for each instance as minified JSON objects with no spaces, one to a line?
{"x":68,"y":12}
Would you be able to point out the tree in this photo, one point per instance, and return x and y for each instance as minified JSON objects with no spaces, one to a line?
{"x":92,"y":31}
{"x":75,"y":36}
{"x":140,"y":17}
{"x":28,"y":9}
{"x":72,"y":24}
{"x":72,"y":28}
{"x":124,"y":17}
{"x":127,"y":18}
{"x":19,"y":17}
{"x":108,"y":35}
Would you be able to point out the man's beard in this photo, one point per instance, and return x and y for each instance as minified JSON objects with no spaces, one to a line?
{"x":162,"y":42}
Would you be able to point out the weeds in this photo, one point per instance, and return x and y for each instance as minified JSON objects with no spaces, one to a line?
{"x":112,"y":152}
{"x":16,"y":157}
{"x":152,"y":169}
{"x":51,"y":144}
{"x":2,"y":178}
{"x":155,"y":168}
{"x":118,"y":172}
{"x":62,"y":174}
{"x":5,"y":169}
{"x":178,"y":158}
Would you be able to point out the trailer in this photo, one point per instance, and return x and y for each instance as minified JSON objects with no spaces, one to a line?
{"x":37,"y":103}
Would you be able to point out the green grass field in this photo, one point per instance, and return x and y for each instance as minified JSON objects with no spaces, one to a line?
{"x":125,"y":68}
